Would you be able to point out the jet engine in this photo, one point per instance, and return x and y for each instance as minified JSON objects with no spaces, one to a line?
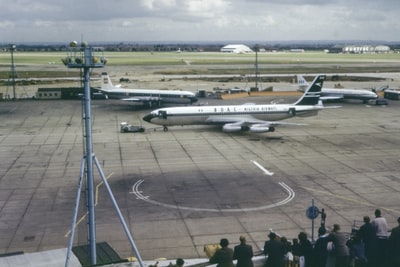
{"x":255,"y":128}
{"x":261,"y":128}
{"x":230,"y":128}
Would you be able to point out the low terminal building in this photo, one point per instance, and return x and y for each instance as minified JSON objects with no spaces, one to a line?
{"x":236,"y":48}
{"x":65,"y":93}
{"x":48,"y":93}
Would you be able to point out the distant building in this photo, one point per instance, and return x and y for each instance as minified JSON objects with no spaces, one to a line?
{"x":48,"y":93}
{"x":64,"y":93}
{"x":236,"y":48}
{"x":382,"y":49}
{"x":360,"y":49}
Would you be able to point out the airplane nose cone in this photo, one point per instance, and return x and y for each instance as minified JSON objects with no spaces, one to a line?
{"x":148,"y":117}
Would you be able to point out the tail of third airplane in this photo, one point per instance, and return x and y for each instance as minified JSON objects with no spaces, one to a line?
{"x":302,"y":83}
{"x":106,"y":83}
{"x":312,"y":94}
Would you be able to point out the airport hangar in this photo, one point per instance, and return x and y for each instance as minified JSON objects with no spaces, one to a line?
{"x":188,"y":187}
{"x":236,"y":48}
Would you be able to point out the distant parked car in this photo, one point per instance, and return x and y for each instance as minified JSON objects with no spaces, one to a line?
{"x":378,"y":101}
{"x":127,"y":128}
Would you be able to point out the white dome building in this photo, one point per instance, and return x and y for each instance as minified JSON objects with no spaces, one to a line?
{"x":236,"y":48}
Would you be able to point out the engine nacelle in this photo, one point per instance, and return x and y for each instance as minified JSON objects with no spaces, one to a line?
{"x":230,"y":128}
{"x":260,"y":128}
{"x":255,"y":128}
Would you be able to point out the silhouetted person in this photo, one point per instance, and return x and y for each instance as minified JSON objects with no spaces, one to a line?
{"x":382,"y":236}
{"x":275,"y":251}
{"x":288,"y":258}
{"x":295,"y":248}
{"x":357,"y":251}
{"x":323,"y":218}
{"x":339,"y":241}
{"x":320,"y":248}
{"x":223,"y":256}
{"x":179,"y":263}
{"x":243,"y":253}
{"x":367,"y":234}
{"x":306,"y":249}
{"x":394,"y":245}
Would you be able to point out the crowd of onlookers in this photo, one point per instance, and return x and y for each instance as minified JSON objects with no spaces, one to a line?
{"x":372,"y":245}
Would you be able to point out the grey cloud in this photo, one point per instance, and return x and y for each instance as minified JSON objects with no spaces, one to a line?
{"x":193,"y":20}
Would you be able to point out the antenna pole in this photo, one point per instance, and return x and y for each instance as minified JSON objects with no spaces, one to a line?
{"x":84,"y":58}
{"x":13,"y":72}
{"x":256,"y":67}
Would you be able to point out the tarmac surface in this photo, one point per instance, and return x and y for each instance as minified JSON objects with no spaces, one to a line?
{"x":191,"y":186}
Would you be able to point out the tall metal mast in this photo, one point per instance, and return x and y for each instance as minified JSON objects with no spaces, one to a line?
{"x":84,"y":58}
{"x":256,"y":67}
{"x":13,"y":74}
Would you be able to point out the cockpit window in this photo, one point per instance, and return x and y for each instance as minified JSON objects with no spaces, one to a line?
{"x":162,"y":114}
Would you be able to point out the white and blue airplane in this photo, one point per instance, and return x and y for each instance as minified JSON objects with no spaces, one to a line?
{"x":339,"y":94}
{"x":148,"y":97}
{"x":248,"y":117}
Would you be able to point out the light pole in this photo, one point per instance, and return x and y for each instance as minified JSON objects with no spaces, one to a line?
{"x":84,"y":58}
{"x":256,"y":48}
{"x":12,"y":49}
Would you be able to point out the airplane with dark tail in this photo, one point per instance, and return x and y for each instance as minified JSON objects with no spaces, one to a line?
{"x":339,"y":94}
{"x":148,"y":97}
{"x":247,"y":117}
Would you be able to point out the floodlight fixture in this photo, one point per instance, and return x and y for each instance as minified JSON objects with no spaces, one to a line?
{"x":73,"y":44}
{"x":84,"y":56}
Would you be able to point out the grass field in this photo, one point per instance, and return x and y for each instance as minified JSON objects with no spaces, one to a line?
{"x":208,"y":58}
{"x":49,"y":63}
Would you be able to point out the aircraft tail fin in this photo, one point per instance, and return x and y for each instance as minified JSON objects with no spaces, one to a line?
{"x":106,"y":83}
{"x":313,"y":92}
{"x":382,"y":88}
{"x":302,"y":83}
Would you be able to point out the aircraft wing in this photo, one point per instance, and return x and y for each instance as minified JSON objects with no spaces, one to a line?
{"x":331,"y":97}
{"x":246,"y":123}
{"x":142,"y":99}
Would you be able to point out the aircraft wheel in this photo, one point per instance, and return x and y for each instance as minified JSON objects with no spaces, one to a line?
{"x":165,"y":129}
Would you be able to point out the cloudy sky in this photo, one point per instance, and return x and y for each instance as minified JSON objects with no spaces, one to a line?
{"x":198,"y":20}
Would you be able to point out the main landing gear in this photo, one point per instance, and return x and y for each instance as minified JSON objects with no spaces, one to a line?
{"x":165,"y":128}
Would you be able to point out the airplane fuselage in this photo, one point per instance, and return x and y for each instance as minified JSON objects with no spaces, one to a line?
{"x":248,"y":117}
{"x":175,"y":97}
{"x":199,"y":115}
{"x":349,"y":93}
{"x":148,"y":97}
{"x":339,"y":93}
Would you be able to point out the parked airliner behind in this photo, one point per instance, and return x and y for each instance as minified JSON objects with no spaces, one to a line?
{"x":339,"y":94}
{"x":234,"y":118}
{"x":146,"y":96}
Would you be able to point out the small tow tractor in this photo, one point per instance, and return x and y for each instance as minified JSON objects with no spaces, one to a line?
{"x":127,"y":128}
